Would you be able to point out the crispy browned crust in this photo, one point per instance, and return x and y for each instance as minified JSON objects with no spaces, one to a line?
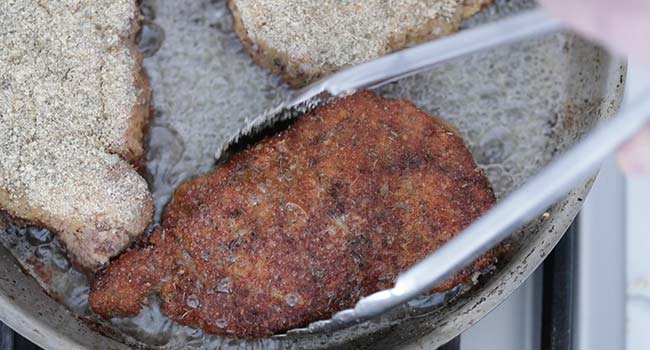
{"x":305,"y":222}
{"x":124,"y":288}
{"x":300,"y":73}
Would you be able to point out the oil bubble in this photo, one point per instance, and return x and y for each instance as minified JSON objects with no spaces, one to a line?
{"x":60,"y":261}
{"x":151,"y":38}
{"x":292,"y":299}
{"x":37,"y":236}
{"x":495,"y":146}
{"x":43,"y":252}
{"x":221,"y":323}
{"x":148,"y":10}
{"x":193,"y":301}
{"x":224,"y":285}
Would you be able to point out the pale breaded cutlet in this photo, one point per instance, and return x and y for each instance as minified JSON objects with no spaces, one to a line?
{"x":305,"y":222}
{"x":74,"y":111}
{"x":303,"y":40}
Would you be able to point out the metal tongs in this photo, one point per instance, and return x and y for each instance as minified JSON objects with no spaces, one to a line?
{"x":520,"y":207}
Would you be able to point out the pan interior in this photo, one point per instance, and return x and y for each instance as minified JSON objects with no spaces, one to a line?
{"x":516,"y":107}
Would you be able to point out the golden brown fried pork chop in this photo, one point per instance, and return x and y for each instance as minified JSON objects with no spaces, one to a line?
{"x":305,"y":222}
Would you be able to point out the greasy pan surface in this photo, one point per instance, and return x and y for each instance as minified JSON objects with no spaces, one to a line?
{"x":515,"y":107}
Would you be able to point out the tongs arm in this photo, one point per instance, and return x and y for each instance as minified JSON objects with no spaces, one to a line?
{"x":420,"y":58}
{"x":520,"y":207}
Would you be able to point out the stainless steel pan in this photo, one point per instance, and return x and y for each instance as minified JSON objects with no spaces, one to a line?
{"x":517,"y":107}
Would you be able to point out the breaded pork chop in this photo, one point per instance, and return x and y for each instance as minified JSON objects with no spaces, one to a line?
{"x":305,"y":222}
{"x":303,"y":40}
{"x":74,"y":107}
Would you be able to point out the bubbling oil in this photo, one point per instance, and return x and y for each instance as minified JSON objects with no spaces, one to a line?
{"x":206,"y":88}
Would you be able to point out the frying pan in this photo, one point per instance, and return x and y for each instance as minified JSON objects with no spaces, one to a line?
{"x":516,"y":107}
